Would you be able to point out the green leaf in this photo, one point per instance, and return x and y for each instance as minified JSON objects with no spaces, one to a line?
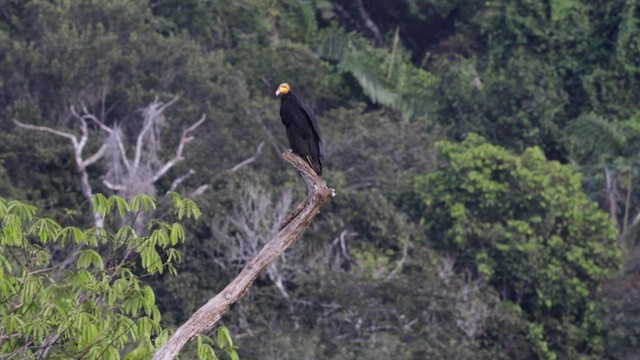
{"x":177,"y":233}
{"x":72,"y":231}
{"x":12,"y":231}
{"x":122,"y":205}
{"x":151,"y":260}
{"x":177,"y":199}
{"x":142,"y":202}
{"x":204,"y":350}
{"x":4,"y":210}
{"x":90,"y":257}
{"x":224,"y":337}
{"x":46,"y":229}
{"x":192,"y":210}
{"x":102,"y":205}
{"x":22,"y":210}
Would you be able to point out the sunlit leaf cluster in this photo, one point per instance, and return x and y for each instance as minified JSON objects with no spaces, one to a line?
{"x":68,"y":292}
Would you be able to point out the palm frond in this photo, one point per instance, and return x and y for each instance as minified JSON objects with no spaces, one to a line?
{"x":593,"y":135}
{"x":386,"y":77}
{"x":332,"y":43}
{"x":366,"y":68}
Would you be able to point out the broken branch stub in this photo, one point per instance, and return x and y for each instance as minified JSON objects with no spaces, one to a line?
{"x":210,"y":313}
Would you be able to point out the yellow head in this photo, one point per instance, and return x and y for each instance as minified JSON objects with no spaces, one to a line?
{"x":283,"y":89}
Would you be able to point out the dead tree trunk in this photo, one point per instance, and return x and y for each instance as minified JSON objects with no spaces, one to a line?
{"x":212,"y":311}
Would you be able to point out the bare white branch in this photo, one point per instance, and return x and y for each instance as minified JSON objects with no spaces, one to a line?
{"x":248,"y":160}
{"x":178,"y":157}
{"x":78,"y":147}
{"x":151,"y":114}
{"x":178,"y":181}
{"x":73,"y":139}
{"x":195,"y":125}
{"x":401,"y":262}
{"x":123,"y":151}
{"x":199,"y":191}
{"x":95,"y":157}
{"x":87,"y":115}
{"x":202,"y":188}
{"x":114,"y":187}
{"x":84,"y":138}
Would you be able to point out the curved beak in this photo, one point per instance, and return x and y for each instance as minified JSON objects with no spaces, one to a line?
{"x":278,"y":92}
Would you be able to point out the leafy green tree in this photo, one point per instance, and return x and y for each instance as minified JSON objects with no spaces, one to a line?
{"x":524,"y":224}
{"x":68,"y":292}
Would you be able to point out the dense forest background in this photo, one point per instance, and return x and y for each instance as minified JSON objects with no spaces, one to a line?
{"x":484,"y":153}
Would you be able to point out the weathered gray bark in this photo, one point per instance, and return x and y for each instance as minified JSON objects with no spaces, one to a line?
{"x":212,"y":311}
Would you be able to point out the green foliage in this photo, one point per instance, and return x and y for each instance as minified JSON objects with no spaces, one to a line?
{"x":628,"y":45}
{"x":518,"y":104}
{"x":386,"y":76}
{"x":597,"y":137}
{"x":67,"y":292}
{"x":426,"y":312}
{"x":283,"y":61}
{"x":622,"y":320}
{"x":524,"y":224}
{"x":375,"y":150}
{"x":226,"y":24}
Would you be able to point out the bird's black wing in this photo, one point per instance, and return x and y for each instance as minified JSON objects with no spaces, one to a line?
{"x":302,"y":130}
{"x":314,"y":125}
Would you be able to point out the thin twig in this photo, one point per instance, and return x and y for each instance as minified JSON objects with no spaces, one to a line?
{"x":248,"y":160}
{"x":180,"y":180}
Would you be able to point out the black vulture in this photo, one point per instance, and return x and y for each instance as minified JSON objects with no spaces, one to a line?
{"x":302,"y":128}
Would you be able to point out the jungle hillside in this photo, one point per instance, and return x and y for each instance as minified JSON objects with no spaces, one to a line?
{"x":483,"y":155}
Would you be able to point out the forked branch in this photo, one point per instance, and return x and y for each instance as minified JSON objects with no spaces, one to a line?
{"x":78,"y":149}
{"x":209,"y":314}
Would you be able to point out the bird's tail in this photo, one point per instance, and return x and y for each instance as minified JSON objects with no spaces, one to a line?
{"x":316,"y":165}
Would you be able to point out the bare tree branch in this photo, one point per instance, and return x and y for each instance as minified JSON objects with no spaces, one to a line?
{"x":87,"y":115}
{"x":248,"y":160}
{"x":114,"y":187}
{"x":401,"y":262}
{"x":195,"y":125}
{"x":144,"y":169}
{"x":202,"y":188}
{"x":78,"y":147}
{"x":377,"y":36}
{"x":152,"y":112}
{"x":186,"y":138}
{"x":123,"y":151}
{"x":178,"y":181}
{"x":95,"y":157}
{"x":212,"y":311}
{"x":612,"y":195}
{"x":83,"y":139}
{"x":49,"y":130}
{"x":199,"y":191}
